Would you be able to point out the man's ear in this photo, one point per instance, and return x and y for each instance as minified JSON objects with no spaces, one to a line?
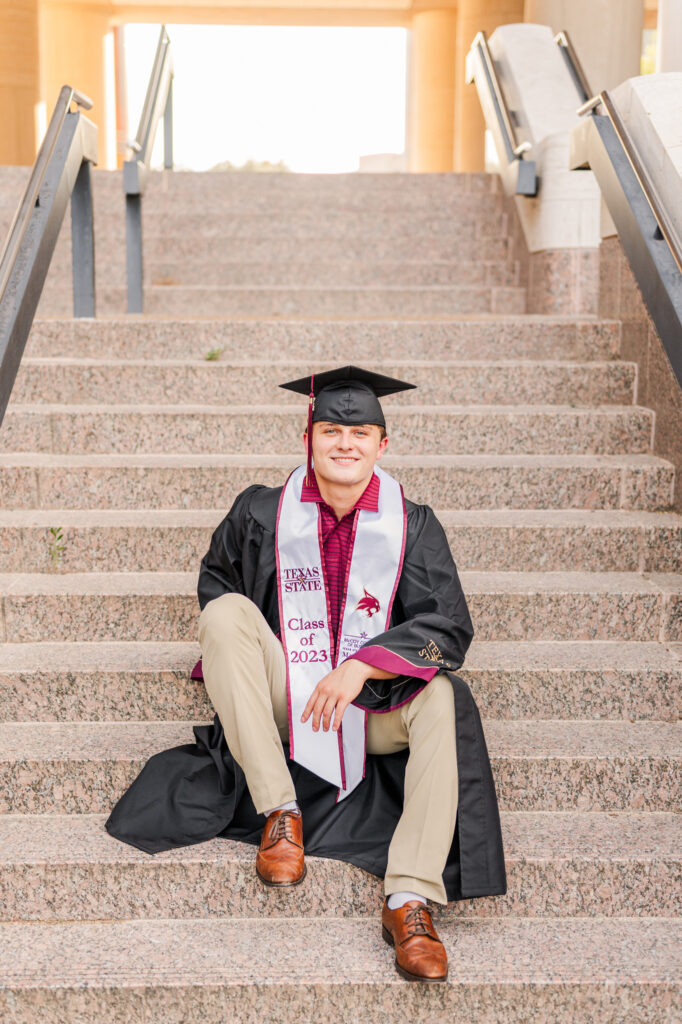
{"x":383,"y":444}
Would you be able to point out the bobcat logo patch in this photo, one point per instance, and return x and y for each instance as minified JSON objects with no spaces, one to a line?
{"x":368,"y":604}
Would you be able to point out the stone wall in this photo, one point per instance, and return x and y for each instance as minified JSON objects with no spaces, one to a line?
{"x":560,"y":281}
{"x":564,"y":281}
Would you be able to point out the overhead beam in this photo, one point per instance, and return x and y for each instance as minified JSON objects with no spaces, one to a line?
{"x":282,"y":16}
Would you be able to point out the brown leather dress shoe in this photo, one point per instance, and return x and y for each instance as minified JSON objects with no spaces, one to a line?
{"x":419,"y":953}
{"x":280,"y":856}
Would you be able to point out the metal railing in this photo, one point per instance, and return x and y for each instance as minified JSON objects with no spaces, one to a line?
{"x":649,"y":236}
{"x":518,"y":174}
{"x":60,"y":173}
{"x":575,"y":68}
{"x":158,"y":103}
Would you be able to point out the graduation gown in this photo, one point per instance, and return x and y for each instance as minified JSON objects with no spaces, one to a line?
{"x":197,"y":791}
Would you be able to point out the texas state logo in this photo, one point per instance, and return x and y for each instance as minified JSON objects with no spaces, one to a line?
{"x":368,"y":604}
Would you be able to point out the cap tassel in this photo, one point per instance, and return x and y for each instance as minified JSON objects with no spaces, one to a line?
{"x":309,"y":460}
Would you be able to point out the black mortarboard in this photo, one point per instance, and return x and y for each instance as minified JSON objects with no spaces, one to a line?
{"x":346,"y":395}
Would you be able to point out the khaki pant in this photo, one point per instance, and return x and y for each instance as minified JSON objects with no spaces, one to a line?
{"x":245,"y":675}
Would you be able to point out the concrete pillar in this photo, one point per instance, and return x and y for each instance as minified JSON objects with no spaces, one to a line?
{"x":123,"y":133}
{"x":607,"y":34}
{"x":475,"y":16}
{"x":432,"y":90}
{"x":19,"y":81}
{"x":669,"y":36}
{"x":77,"y":48}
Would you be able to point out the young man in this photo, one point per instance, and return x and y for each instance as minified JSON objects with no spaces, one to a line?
{"x":332,"y":621}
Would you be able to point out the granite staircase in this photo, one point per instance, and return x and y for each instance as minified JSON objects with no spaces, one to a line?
{"x":124,"y":444}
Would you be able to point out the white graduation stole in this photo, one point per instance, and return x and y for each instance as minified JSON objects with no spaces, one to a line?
{"x":377,"y":549}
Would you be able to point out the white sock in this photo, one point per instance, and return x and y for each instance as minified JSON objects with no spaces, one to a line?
{"x":398,"y":899}
{"x":291,"y":806}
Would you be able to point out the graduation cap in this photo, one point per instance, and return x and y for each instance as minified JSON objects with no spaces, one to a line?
{"x":348,"y":395}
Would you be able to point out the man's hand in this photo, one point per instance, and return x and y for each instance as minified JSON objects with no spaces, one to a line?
{"x":337,"y":689}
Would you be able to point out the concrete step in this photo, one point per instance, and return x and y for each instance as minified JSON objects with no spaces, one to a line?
{"x":211,"y":193}
{"x":476,"y":337}
{"x":275,"y":217}
{"x":35,"y":480}
{"x":327,"y":273}
{"x":171,"y":300}
{"x":287,"y":238}
{"x":477,"y":216}
{"x":296,"y":273}
{"x":158,"y":243}
{"x":363,"y":212}
{"x":241,"y":429}
{"x":574,"y":605}
{"x":149,"y":680}
{"x":503,"y":606}
{"x":83,"y":767}
{"x":319,"y":199}
{"x":107,"y":540}
{"x":87,"y":381}
{"x":67,"y":867}
{"x":569,"y":679}
{"x":420,"y":188}
{"x":510,"y":971}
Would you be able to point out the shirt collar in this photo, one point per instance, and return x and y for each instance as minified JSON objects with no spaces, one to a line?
{"x":369,"y":499}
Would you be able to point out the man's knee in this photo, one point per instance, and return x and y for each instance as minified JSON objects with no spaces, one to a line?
{"x":225,"y":614}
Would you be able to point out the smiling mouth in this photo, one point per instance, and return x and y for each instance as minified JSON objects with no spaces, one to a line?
{"x":344,"y":458}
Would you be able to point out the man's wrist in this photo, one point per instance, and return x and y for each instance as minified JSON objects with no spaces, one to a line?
{"x":360,"y":669}
{"x":367,"y":671}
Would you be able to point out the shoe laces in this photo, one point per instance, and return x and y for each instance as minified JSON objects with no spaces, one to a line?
{"x":418,"y":921}
{"x":283,"y":827}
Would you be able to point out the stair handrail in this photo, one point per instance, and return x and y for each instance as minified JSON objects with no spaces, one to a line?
{"x":591,"y":102}
{"x":666,"y":226}
{"x":518,"y":175}
{"x":650,"y":238}
{"x":577,"y":72}
{"x":60,"y":173}
{"x":158,"y":103}
{"x":22,"y":214}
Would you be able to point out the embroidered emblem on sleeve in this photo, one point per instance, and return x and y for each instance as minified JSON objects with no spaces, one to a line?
{"x":431,"y":652}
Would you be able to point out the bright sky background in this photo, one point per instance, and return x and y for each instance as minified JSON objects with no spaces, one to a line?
{"x":316,"y":98}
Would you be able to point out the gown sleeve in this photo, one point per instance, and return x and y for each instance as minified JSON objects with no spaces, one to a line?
{"x":221,"y":567}
{"x":430,"y":624}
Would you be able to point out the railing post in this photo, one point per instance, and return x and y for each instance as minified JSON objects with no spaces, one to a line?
{"x":168,"y":129}
{"x":134,"y":253}
{"x":159,"y":97}
{"x":83,"y":244}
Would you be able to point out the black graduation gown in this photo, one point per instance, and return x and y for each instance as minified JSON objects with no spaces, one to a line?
{"x":197,"y":791}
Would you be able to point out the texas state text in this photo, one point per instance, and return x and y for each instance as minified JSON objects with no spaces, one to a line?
{"x":296,"y":580}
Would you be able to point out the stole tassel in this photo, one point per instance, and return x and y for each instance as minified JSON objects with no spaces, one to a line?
{"x":309,"y":460}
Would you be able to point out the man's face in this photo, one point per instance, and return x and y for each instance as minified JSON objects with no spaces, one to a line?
{"x":346,"y":455}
